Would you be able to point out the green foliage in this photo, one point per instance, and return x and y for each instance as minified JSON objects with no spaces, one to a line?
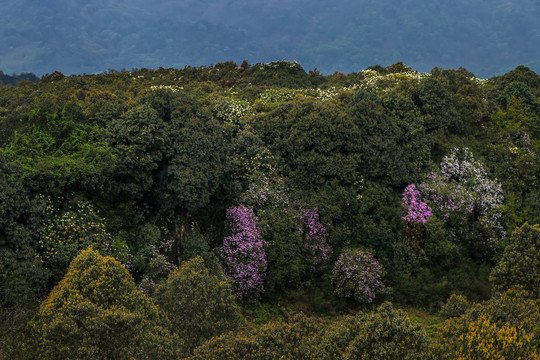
{"x":438,"y":105}
{"x":280,"y":73}
{"x":516,"y":116}
{"x":56,"y":149}
{"x":169,"y":152}
{"x":96,"y":312}
{"x":22,"y":276}
{"x":519,"y":90}
{"x":284,"y":251}
{"x":392,"y":146}
{"x":15,"y":79}
{"x":385,"y":334}
{"x":138,"y":137}
{"x":160,"y":154}
{"x":314,"y":142}
{"x":522,"y":74}
{"x":378,"y":219}
{"x":296,"y":339}
{"x":520,"y":264}
{"x":198,"y":304}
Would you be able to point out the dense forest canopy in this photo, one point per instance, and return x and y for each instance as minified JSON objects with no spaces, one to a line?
{"x":247,"y":211}
{"x":488,"y":37}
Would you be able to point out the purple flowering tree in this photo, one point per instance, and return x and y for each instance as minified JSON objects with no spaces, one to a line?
{"x":243,"y":258}
{"x":357,"y":274}
{"x":315,"y":235}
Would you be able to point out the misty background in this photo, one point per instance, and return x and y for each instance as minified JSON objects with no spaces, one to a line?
{"x":76,"y":36}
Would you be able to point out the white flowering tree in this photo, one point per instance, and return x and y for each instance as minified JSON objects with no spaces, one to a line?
{"x":460,"y":194}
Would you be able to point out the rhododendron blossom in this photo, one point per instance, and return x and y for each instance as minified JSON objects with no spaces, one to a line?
{"x":357,"y":274}
{"x":315,"y":235}
{"x":417,"y":210}
{"x":242,"y":255}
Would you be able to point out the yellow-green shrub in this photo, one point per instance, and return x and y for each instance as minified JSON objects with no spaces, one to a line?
{"x":95,"y":312}
{"x":505,"y":326}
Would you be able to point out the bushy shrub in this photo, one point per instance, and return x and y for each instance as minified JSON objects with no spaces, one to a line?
{"x":198,"y":304}
{"x":486,"y":340}
{"x":386,"y":334}
{"x":417,"y":210}
{"x":242,"y":255}
{"x":357,"y":274}
{"x":296,"y":339}
{"x":455,"y":306}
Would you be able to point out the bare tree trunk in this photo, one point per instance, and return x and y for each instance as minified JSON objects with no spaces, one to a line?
{"x":180,"y":235}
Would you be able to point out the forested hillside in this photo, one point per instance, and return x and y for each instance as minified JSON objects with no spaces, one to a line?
{"x":262,"y":211}
{"x":488,"y":37}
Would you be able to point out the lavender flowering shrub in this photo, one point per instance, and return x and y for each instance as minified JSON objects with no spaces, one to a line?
{"x":417,"y":210}
{"x":315,"y":235}
{"x":461,"y":191}
{"x":357,"y":274}
{"x":243,"y":258}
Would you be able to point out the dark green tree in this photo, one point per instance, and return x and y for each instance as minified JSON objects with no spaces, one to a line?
{"x":520,"y":263}
{"x":438,"y":104}
{"x":171,"y":155}
{"x":22,"y":277}
{"x":65,"y":233}
{"x":517,"y":89}
{"x":313,"y":142}
{"x":391,"y":142}
{"x":284,"y":251}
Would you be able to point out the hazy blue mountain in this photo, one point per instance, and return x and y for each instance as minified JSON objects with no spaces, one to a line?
{"x":75,"y":36}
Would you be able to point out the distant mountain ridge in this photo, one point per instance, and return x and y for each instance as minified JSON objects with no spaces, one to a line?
{"x":74,"y":36}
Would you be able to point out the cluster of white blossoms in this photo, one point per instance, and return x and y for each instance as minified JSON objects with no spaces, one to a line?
{"x":478,"y":81}
{"x":461,"y":166}
{"x":172,"y":88}
{"x":373,"y":79}
{"x":326,"y":94}
{"x":232,"y":111}
{"x":282,"y":95}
